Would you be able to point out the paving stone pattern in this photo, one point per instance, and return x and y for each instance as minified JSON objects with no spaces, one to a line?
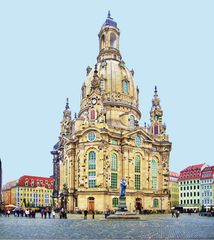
{"x":149,"y":227}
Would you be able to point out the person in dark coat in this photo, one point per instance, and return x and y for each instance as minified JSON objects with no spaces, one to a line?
{"x":85,"y":214}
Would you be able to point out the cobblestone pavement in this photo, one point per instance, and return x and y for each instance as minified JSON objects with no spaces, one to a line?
{"x":149,"y":227}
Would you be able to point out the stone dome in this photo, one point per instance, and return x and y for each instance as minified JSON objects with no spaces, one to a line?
{"x":114,"y":77}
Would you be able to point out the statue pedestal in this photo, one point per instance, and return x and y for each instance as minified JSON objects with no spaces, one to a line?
{"x":122,"y":212}
{"x":122,"y":205}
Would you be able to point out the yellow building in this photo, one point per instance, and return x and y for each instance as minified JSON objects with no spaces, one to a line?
{"x":174,"y":189}
{"x":29,"y":191}
{"x":105,"y":142}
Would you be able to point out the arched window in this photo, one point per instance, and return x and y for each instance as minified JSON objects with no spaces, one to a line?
{"x":113,"y":40}
{"x":92,"y":114}
{"x":131,"y":119}
{"x":103,"y":42}
{"x":92,"y":169}
{"x":114,"y":168}
{"x":155,"y":203}
{"x":115,"y":202}
{"x":156,"y":129}
{"x":137,"y":172}
{"x":154,"y":174}
{"x":125,"y":86}
{"x":114,"y":162}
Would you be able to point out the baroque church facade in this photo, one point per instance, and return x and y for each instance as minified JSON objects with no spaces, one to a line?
{"x":105,"y":143}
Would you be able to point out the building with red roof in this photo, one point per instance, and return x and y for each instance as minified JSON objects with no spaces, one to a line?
{"x":190,"y":187}
{"x":30,"y":191}
{"x":207,"y":187}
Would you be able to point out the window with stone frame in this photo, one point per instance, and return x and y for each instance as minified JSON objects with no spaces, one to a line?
{"x":115,"y":201}
{"x":114,"y":169}
{"x":155,"y":203}
{"x":125,"y":87}
{"x":154,"y":174}
{"x":102,"y":85}
{"x":137,"y":172}
{"x":92,"y":169}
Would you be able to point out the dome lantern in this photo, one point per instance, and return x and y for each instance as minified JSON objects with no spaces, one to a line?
{"x":109,"y":38}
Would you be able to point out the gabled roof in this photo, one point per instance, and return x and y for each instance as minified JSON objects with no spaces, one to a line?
{"x":139,"y":131}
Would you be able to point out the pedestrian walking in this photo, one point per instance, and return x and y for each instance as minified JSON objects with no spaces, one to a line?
{"x":173,"y":213}
{"x":85,"y":214}
{"x":42,"y":213}
{"x":53,"y":214}
{"x":49,"y":213}
{"x":93,"y":213}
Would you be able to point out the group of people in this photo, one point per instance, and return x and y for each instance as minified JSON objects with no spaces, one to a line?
{"x":86,"y":213}
{"x":175,"y":213}
{"x":47,"y":212}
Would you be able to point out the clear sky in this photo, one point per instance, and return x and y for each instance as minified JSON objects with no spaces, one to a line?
{"x":45,"y":47}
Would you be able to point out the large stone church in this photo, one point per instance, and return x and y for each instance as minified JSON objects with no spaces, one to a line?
{"x":105,"y":142}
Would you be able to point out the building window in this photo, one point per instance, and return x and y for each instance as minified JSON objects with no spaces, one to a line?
{"x":114,"y":162}
{"x":92,"y":160}
{"x":91,"y":136}
{"x":131,"y":121}
{"x":114,"y":180}
{"x":114,"y":202}
{"x":154,"y":174}
{"x":92,"y":169}
{"x":137,"y":172}
{"x":114,"y":168}
{"x":155,"y":203}
{"x":125,"y":86}
{"x":92,"y":179}
{"x":138,"y":141}
{"x":102,"y":85}
{"x":156,"y":129}
{"x":137,"y":182}
{"x":137,"y":164}
{"x":114,"y":142}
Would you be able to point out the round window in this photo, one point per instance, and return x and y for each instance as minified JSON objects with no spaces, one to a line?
{"x":91,"y":136}
{"x":138,"y":141}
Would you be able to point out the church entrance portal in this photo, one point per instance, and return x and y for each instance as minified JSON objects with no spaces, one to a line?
{"x":91,"y":204}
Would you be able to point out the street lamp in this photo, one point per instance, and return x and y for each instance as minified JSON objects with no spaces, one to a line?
{"x":65,"y":196}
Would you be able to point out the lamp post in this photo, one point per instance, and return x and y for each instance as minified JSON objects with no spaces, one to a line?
{"x":65,"y":196}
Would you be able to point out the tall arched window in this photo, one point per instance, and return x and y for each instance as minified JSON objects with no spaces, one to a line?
{"x":92,"y":169}
{"x":125,"y":86}
{"x":154,"y":174}
{"x":103,"y":42}
{"x":114,"y":168}
{"x":131,"y":121}
{"x":137,"y":172}
{"x":113,"y":40}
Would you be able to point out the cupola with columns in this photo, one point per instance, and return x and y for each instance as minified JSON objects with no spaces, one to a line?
{"x":118,"y":92}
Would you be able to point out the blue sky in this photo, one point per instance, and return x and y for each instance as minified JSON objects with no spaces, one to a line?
{"x":45,"y":47}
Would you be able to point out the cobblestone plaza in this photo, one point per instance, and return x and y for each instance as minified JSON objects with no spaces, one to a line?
{"x":149,"y":227}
